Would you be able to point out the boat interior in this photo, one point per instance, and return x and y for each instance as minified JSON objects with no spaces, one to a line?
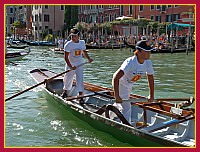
{"x":161,"y":119}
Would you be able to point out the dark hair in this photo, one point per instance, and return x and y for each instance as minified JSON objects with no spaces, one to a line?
{"x":74,"y":31}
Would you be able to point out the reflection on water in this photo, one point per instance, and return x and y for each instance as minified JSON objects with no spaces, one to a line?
{"x":34,"y":119}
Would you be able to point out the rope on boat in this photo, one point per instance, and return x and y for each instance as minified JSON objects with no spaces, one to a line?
{"x":108,"y":108}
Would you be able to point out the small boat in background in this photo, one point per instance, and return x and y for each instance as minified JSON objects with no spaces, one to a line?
{"x":46,"y":43}
{"x":164,"y":49}
{"x":153,"y":124}
{"x":13,"y":56}
{"x":18,"y":46}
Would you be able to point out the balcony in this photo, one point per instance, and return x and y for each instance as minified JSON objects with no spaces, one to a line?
{"x":91,"y":11}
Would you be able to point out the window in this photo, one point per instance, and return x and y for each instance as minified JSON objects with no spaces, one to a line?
{"x":158,"y":7}
{"x":36,"y":18}
{"x":46,"y":6}
{"x":169,"y":6}
{"x":11,"y":20}
{"x":131,"y":10}
{"x":110,"y":17}
{"x":168,"y":18}
{"x":152,"y":18}
{"x":46,"y":27}
{"x":11,"y":10}
{"x":141,"y":8}
{"x":40,"y":17}
{"x":46,"y":18}
{"x":163,"y":8}
{"x":152,"y":7}
{"x":115,"y":16}
{"x":62,"y":7}
{"x":97,"y":21}
{"x":176,"y":17}
{"x":175,"y":5}
{"x":121,"y":10}
{"x":158,"y":18}
{"x":102,"y":19}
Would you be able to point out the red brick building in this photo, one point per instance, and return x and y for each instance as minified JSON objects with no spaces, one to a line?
{"x":157,"y":13}
{"x":98,"y":13}
{"x":160,"y":13}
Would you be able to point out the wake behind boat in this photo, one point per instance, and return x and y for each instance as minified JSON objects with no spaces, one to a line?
{"x":57,"y":50}
{"x":153,"y":124}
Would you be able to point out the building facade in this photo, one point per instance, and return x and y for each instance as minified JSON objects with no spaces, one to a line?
{"x":159,"y":13}
{"x":47,"y":19}
{"x":165,"y":13}
{"x":155,"y":13}
{"x":98,"y":13}
{"x":41,"y":20}
{"x":23,"y":15}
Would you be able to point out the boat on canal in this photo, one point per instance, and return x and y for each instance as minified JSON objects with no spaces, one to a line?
{"x":13,"y":56}
{"x":18,"y":46}
{"x":165,"y":49}
{"x":162,"y":123}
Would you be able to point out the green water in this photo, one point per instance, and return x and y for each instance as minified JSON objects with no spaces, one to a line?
{"x":34,"y":119}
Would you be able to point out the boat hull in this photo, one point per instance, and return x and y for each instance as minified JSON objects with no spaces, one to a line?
{"x":88,"y":112}
{"x":17,"y":47}
{"x":15,"y":56}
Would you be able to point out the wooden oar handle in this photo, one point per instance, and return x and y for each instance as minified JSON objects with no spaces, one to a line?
{"x":175,"y":99}
{"x":100,"y":93}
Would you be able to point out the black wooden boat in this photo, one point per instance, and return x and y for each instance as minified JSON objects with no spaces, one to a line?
{"x":164,"y":50}
{"x":18,"y":46}
{"x":13,"y":56}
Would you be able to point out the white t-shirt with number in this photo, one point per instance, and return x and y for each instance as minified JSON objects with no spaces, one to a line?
{"x":75,"y":51}
{"x":133,"y":71}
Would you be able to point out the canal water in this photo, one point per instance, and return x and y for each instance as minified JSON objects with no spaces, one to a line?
{"x":33,"y":119}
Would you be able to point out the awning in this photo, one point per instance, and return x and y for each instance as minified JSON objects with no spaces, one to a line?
{"x":123,"y":17}
{"x":179,"y":26}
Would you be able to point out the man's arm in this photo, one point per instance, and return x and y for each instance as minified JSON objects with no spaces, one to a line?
{"x":85,"y":54}
{"x":151,"y":87}
{"x":116,"y":78}
{"x":67,"y":61}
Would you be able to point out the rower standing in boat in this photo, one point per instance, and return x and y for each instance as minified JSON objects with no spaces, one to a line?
{"x":132,"y":69}
{"x":74,"y":49}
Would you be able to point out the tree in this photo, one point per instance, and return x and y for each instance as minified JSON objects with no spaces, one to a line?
{"x":71,"y":16}
{"x":18,"y":24}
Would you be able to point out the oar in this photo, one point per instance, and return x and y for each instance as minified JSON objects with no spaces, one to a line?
{"x":17,"y":94}
{"x":191,"y":99}
{"x":101,"y":93}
